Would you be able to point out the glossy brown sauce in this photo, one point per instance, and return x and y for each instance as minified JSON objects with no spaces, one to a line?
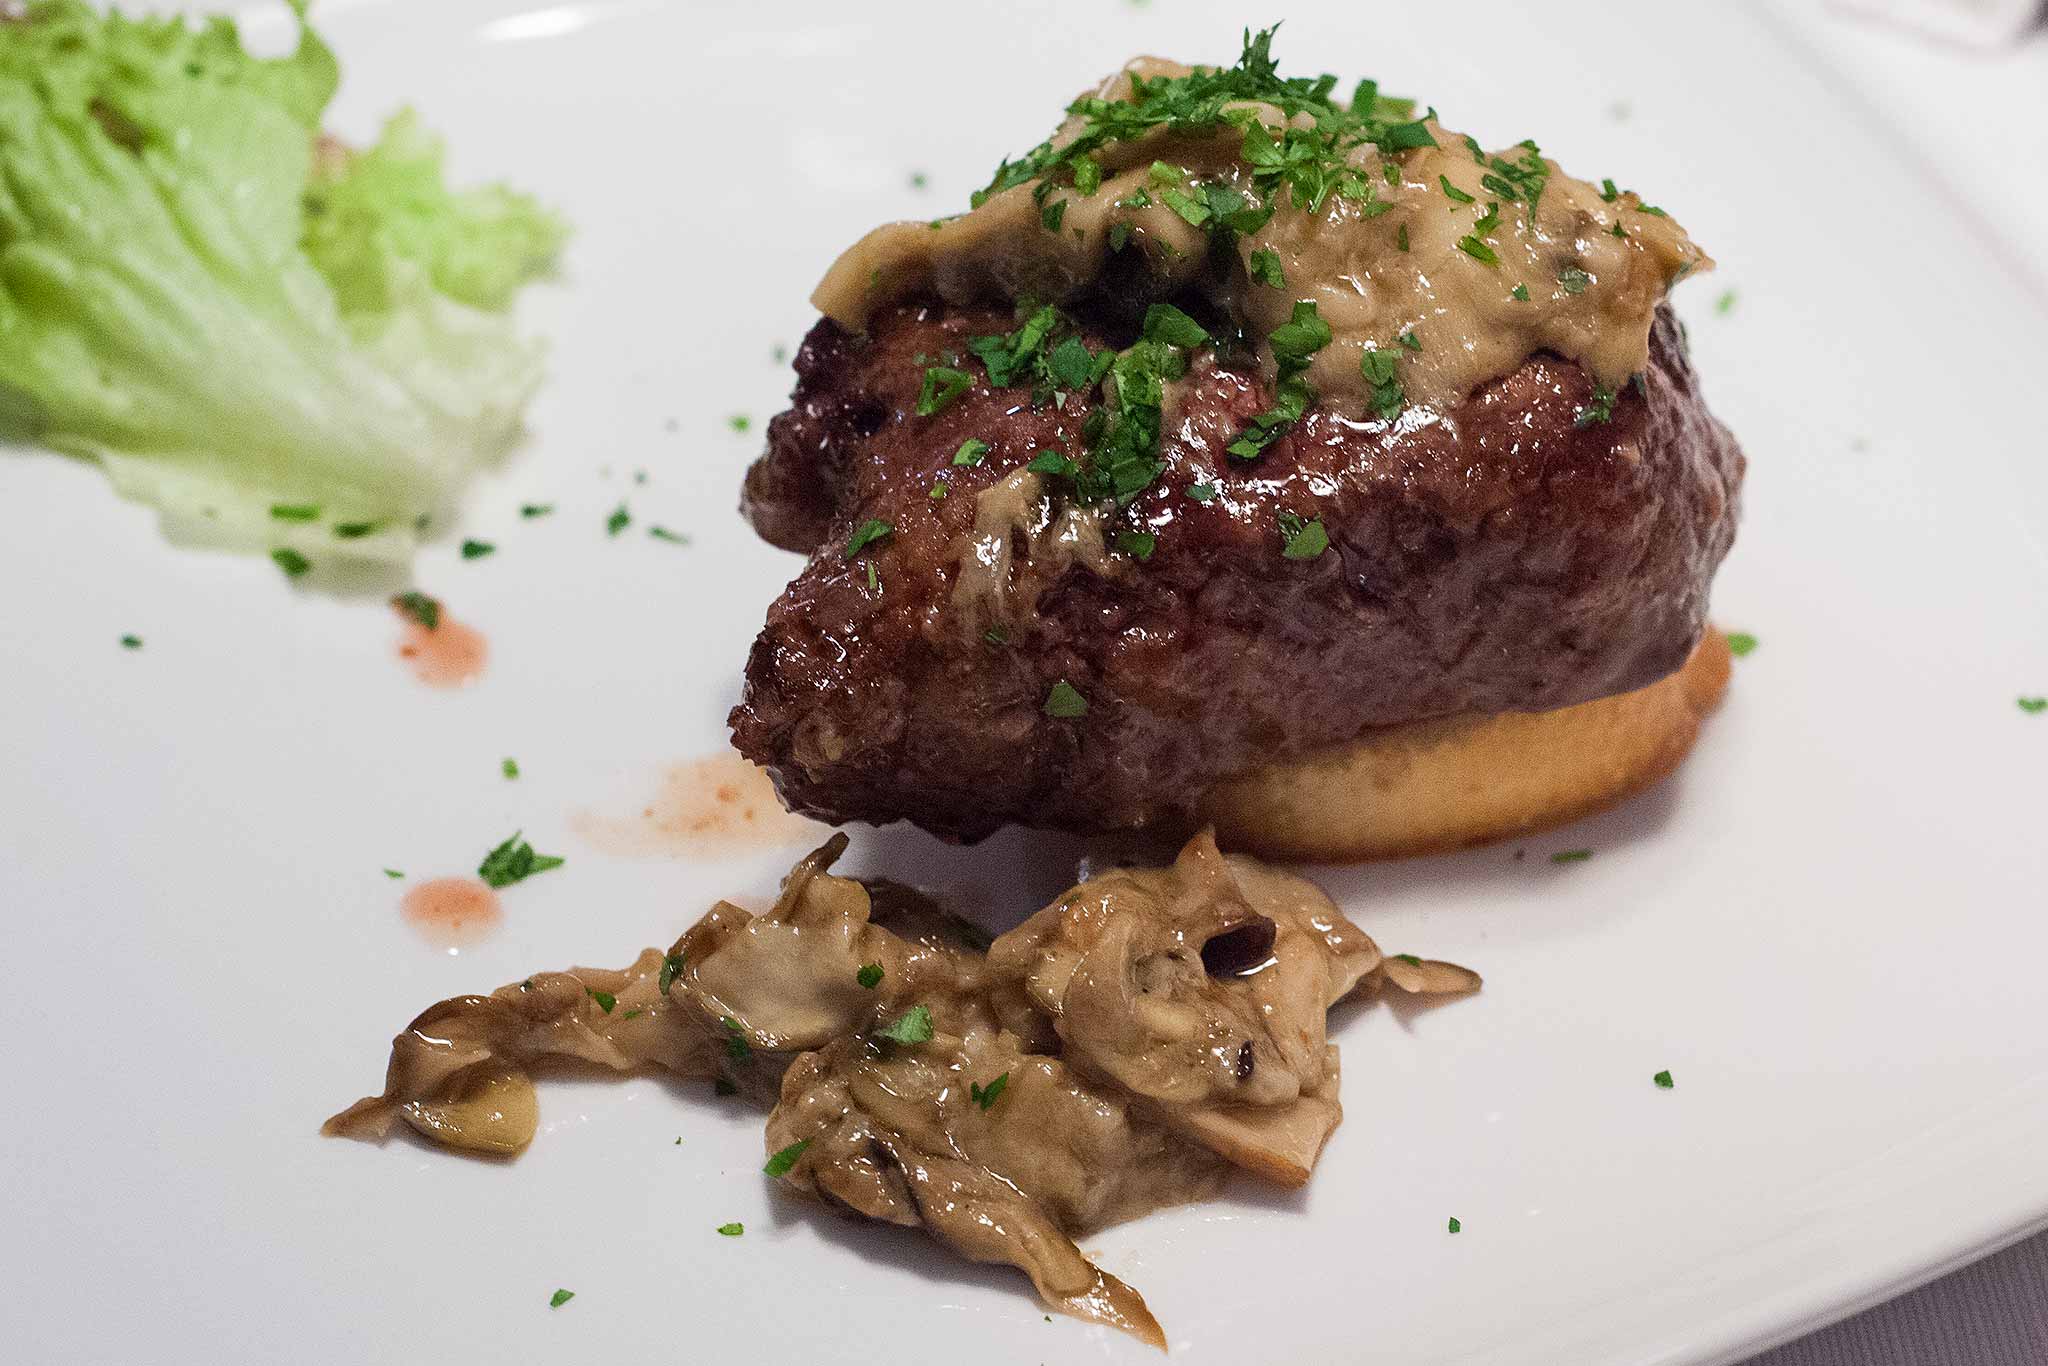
{"x":703,"y":807}
{"x":452,"y":912}
{"x":448,"y":656}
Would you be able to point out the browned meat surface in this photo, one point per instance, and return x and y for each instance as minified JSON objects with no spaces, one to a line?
{"x":1499,"y":556}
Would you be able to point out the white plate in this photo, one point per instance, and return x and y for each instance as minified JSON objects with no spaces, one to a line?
{"x":1829,"y":928}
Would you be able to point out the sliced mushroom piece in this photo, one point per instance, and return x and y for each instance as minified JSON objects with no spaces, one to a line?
{"x":495,"y":1113}
{"x":1428,"y":976}
{"x":465,"y":1059}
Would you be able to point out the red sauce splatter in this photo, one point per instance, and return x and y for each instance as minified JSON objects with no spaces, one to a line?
{"x":452,"y":912}
{"x":448,"y":656}
{"x":704,"y":807}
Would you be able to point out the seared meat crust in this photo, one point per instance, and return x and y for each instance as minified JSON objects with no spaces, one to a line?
{"x":1503,"y":555}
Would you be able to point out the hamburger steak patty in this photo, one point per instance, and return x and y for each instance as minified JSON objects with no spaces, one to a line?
{"x":1496,"y":557}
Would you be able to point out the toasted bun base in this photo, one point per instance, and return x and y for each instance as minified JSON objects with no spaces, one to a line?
{"x":1443,"y":785}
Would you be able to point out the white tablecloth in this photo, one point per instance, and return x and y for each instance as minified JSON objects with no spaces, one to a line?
{"x":1994,"y":1313}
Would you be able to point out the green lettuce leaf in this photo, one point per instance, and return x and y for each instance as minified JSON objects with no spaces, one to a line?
{"x":234,"y":314}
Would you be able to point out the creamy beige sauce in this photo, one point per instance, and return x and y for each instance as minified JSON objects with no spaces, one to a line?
{"x":989,"y":584}
{"x":1370,"y":291}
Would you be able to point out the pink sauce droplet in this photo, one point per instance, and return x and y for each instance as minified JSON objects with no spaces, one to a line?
{"x":448,"y":656}
{"x":452,"y":913}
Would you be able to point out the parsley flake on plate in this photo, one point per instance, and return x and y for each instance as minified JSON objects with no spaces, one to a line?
{"x":420,"y":608}
{"x":290,"y":561}
{"x":1663,"y":1080}
{"x":1571,"y":856}
{"x":514,"y":861}
{"x":1740,"y":643}
{"x":530,"y":510}
{"x":732,"y":1230}
{"x":605,"y":999}
{"x":476,"y":550}
{"x":509,"y":767}
{"x":131,"y":642}
{"x":618,"y":521}
{"x":1455,"y":1226}
{"x":560,"y":1298}
{"x":662,"y":533}
{"x":2033,"y":706}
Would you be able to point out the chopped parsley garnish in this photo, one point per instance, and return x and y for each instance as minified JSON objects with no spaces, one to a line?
{"x":2033,"y":706}
{"x":736,"y":1046}
{"x":1740,"y":643}
{"x":421,"y":608}
{"x":290,"y":561}
{"x":971,"y":451}
{"x":1663,"y":1080}
{"x":633,"y":1014}
{"x":476,"y":550}
{"x":131,"y":642}
{"x":1571,"y":856}
{"x":1302,"y":540}
{"x":732,"y":1230}
{"x":1265,"y":268}
{"x":870,"y":975}
{"x":1608,"y":192}
{"x":514,"y":861}
{"x":1072,"y":364}
{"x":912,"y":1026}
{"x":560,"y":1298}
{"x":739,"y":422}
{"x":1401,"y":237}
{"x":1300,"y":337}
{"x":510,"y":768}
{"x":997,"y":635}
{"x":605,"y":999}
{"x":536,"y":509}
{"x":1410,"y":340}
{"x":1065,"y":702}
{"x":939,"y":491}
{"x":393,"y":873}
{"x":1573,"y":280}
{"x":1726,"y":303}
{"x":1294,"y":342}
{"x":1520,"y":293}
{"x":352,"y":531}
{"x":1139,"y":545}
{"x":295,"y":512}
{"x":942,"y":384}
{"x":618,"y":521}
{"x":1601,"y":409}
{"x":662,"y":533}
{"x":1052,"y":215}
{"x":918,"y":180}
{"x":985,"y":1096}
{"x":1202,"y":493}
{"x":1617,"y":230}
{"x":1455,"y":1226}
{"x":671,"y":964}
{"x":1410,"y":959}
{"x":866,"y":534}
{"x":1456,"y":194}
{"x":1165,"y":323}
{"x":782,"y":1161}
{"x":1052,"y":462}
{"x":1119,"y":236}
{"x":1381,"y":369}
